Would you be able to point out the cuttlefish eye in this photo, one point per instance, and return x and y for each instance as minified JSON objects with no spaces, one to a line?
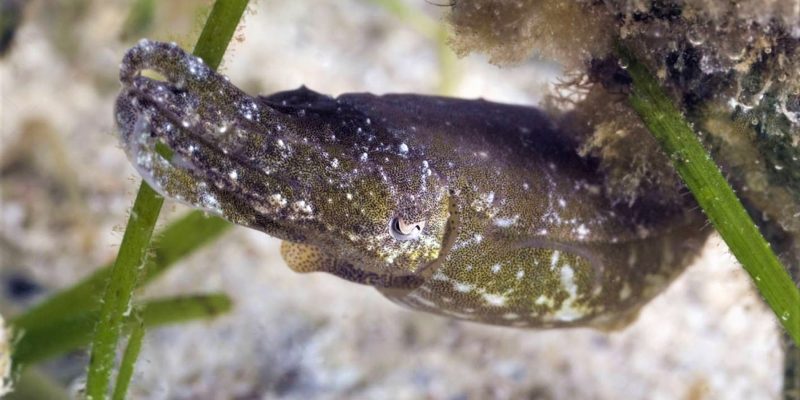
{"x":401,"y":230}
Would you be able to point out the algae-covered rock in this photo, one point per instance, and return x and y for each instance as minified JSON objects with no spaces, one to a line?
{"x":731,"y":66}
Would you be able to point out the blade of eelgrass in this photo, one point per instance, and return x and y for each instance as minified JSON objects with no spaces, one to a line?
{"x":177,"y":240}
{"x":702,"y":176}
{"x":71,"y":333}
{"x":217,"y":33}
{"x":128,"y":362}
{"x":33,"y":384}
{"x":118,"y":293}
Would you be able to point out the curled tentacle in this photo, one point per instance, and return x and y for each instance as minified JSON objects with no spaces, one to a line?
{"x":167,"y":59}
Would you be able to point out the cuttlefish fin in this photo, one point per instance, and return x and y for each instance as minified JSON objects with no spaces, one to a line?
{"x":304,"y":258}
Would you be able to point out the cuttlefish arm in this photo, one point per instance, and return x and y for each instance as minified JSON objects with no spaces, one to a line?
{"x":465,"y":208}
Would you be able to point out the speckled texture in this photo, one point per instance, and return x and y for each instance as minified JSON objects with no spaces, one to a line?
{"x":511,"y":223}
{"x":313,"y":335}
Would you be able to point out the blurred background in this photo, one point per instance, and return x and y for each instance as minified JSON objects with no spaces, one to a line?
{"x":66,"y":187}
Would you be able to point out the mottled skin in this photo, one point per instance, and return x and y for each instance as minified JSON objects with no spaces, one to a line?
{"x":517,"y":228}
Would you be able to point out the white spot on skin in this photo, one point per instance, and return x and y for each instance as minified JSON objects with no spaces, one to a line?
{"x":145,"y":45}
{"x":497,"y":300}
{"x":477,"y":238}
{"x":554,"y":258}
{"x":440,"y":276}
{"x":483,"y":202}
{"x":277,"y":200}
{"x":582,"y":231}
{"x":568,"y":281}
{"x":196,"y":67}
{"x":302,"y":207}
{"x":568,"y":311}
{"x":233,"y":174}
{"x":510,"y":316}
{"x":501,"y":222}
{"x":210,"y":203}
{"x":520,"y":274}
{"x":496,"y":268}
{"x":562,"y":203}
{"x":463,"y":287}
{"x":543,"y":300}
{"x":403,"y":148}
{"x":249,"y":110}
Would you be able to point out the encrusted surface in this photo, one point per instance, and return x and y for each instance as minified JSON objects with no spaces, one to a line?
{"x":732,"y":66}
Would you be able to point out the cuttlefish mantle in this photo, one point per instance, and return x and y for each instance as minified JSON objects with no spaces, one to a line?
{"x":465,"y":208}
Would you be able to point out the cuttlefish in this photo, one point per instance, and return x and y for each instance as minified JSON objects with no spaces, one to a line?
{"x":469,"y":209}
